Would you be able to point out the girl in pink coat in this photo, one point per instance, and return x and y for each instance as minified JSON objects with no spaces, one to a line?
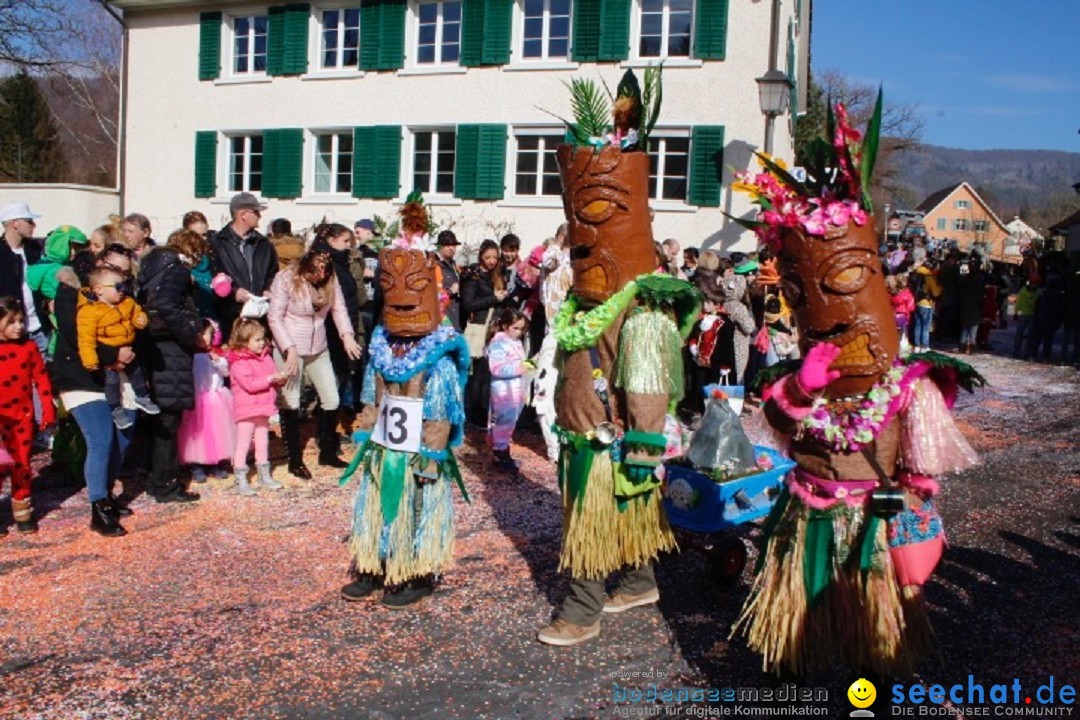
{"x":506,"y":358}
{"x":255,"y":380}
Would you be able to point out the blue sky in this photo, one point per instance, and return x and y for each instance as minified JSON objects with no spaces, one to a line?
{"x":985,"y":74}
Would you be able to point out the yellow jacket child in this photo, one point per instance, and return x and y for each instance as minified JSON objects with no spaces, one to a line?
{"x":112,"y":325}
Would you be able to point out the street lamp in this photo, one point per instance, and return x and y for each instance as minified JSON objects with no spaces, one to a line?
{"x":774,"y":92}
{"x":886,"y":209}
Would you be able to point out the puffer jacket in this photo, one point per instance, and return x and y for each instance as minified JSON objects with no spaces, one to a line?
{"x":295,"y":322}
{"x":253,"y":395}
{"x":99,"y":322}
{"x":165,"y":291}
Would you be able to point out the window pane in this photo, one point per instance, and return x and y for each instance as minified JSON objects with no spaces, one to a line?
{"x":534,"y":28}
{"x":425,"y":54}
{"x":560,"y":27}
{"x":560,"y":7}
{"x":423,"y":161}
{"x":679,"y":46}
{"x":422,"y":182}
{"x":429,"y":12}
{"x":681,"y":5}
{"x":261,"y":25}
{"x":552,"y":185}
{"x":427,"y":34}
{"x":445,"y":183}
{"x":352,"y":18}
{"x":241,"y":65}
{"x":533,"y":48}
{"x":451,"y":11}
{"x":650,"y":47}
{"x":652,"y":186}
{"x":675,"y":189}
{"x":652,"y":24}
{"x":534,"y":8}
{"x":525,"y":184}
{"x":652,"y":5}
{"x":558,"y":48}
{"x":242,"y":26}
{"x":446,"y":141}
{"x":526,"y":161}
{"x":675,"y":166}
{"x":451,"y":34}
{"x":450,"y":54}
{"x":528,"y":142}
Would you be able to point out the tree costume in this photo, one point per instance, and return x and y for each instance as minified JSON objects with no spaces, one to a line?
{"x":620,"y":334}
{"x":403,"y":519}
{"x":855,"y":533}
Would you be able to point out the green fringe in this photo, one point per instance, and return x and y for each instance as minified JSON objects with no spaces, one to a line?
{"x":967,"y":377}
{"x":769,"y":375}
{"x":650,"y":356}
{"x":663,"y":292}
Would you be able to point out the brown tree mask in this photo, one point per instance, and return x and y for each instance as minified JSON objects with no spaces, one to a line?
{"x":410,"y":292}
{"x":837,"y":289}
{"x":606,"y":201}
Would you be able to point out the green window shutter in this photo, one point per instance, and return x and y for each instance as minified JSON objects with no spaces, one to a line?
{"x":485,"y":34}
{"x":286,"y":45}
{"x":706,"y":165}
{"x":480,"y":162}
{"x":601,"y":30}
{"x":205,"y":163}
{"x":376,"y":161}
{"x":793,"y":106}
{"x":614,"y":30}
{"x":283,"y":162}
{"x":586,"y":31}
{"x":209,"y":45}
{"x":382,"y":35}
{"x":710,"y":29}
{"x":275,"y":41}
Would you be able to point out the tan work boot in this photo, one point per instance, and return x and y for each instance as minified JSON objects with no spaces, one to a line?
{"x":564,"y":633}
{"x":619,"y":601}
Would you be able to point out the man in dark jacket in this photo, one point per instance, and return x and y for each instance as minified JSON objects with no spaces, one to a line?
{"x":17,"y":251}
{"x":245,"y":255}
{"x":165,"y":292}
{"x":451,"y":275}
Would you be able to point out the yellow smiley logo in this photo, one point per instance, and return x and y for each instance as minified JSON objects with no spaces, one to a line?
{"x":862,"y":693}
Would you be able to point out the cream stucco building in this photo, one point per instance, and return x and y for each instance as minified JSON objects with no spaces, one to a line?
{"x":338,"y":110}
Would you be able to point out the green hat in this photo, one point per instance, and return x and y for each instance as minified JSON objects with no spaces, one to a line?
{"x":747,"y":267}
{"x":58,"y":243}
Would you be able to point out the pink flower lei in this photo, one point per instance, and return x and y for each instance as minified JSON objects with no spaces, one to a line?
{"x":845,"y":430}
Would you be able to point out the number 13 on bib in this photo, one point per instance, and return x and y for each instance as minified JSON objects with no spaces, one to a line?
{"x":399,"y":425}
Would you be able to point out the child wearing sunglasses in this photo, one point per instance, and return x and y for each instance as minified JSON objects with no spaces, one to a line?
{"x":108,"y":315}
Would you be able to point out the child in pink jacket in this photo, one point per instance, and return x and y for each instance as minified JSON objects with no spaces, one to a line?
{"x":903,"y":305}
{"x":506,"y":358}
{"x":255,"y":380}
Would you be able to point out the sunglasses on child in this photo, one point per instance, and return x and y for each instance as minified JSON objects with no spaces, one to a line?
{"x":123,"y":287}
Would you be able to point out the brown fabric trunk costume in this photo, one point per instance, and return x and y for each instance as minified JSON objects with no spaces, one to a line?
{"x":612,"y":513}
{"x":827,"y":584}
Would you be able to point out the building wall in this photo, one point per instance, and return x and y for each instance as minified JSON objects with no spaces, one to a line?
{"x":84,"y":206}
{"x":994,"y":235}
{"x":168,"y":104}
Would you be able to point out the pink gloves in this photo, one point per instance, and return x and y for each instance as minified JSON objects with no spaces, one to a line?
{"x":221,"y":284}
{"x":815,"y":373}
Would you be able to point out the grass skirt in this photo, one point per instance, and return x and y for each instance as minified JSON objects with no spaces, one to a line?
{"x":598,"y":539}
{"x":419,"y":541}
{"x":863,"y":617}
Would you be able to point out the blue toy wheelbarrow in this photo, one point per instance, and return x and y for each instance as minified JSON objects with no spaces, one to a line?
{"x":701,"y":509}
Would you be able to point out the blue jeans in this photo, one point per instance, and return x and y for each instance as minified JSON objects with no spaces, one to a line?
{"x":920,"y":330}
{"x":105,"y":446}
{"x":1023,"y":332}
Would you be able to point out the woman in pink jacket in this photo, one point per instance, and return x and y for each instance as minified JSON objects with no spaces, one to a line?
{"x":254,"y":381}
{"x":300,"y":299}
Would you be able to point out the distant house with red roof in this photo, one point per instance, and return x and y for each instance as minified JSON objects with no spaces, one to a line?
{"x":958,"y":213}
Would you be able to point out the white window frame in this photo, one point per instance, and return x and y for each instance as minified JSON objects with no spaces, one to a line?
{"x":963,"y":205}
{"x":664,"y":134}
{"x":960,"y":225}
{"x":512,"y":172}
{"x":312,"y":165}
{"x":226,"y":164}
{"x":409,"y":167}
{"x":413,"y":37}
{"x":519,"y":37}
{"x":980,"y":226}
{"x":316,"y":41}
{"x":942,"y":224}
{"x":636,"y":11}
{"x":230,"y":38}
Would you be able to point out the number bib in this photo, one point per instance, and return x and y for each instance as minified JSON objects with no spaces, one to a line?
{"x":400,"y":423}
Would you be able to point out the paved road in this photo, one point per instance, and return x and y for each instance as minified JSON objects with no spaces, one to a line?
{"x":229,"y":608}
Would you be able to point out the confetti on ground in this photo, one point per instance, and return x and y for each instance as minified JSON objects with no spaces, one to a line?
{"x":229,"y":608}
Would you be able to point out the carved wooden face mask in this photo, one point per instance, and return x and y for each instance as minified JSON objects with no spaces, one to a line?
{"x":606,"y":201}
{"x":410,"y":293}
{"x":837,"y":289}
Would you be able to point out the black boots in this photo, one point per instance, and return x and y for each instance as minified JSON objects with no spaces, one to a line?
{"x":119,"y":509}
{"x":412,"y":592}
{"x":290,"y":431}
{"x":103,"y":519}
{"x":329,"y":441}
{"x":361,"y":587}
{"x":504,"y":462}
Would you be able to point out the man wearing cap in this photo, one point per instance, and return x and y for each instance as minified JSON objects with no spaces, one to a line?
{"x":245,"y":255}
{"x":16,"y":253}
{"x":451,"y":274}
